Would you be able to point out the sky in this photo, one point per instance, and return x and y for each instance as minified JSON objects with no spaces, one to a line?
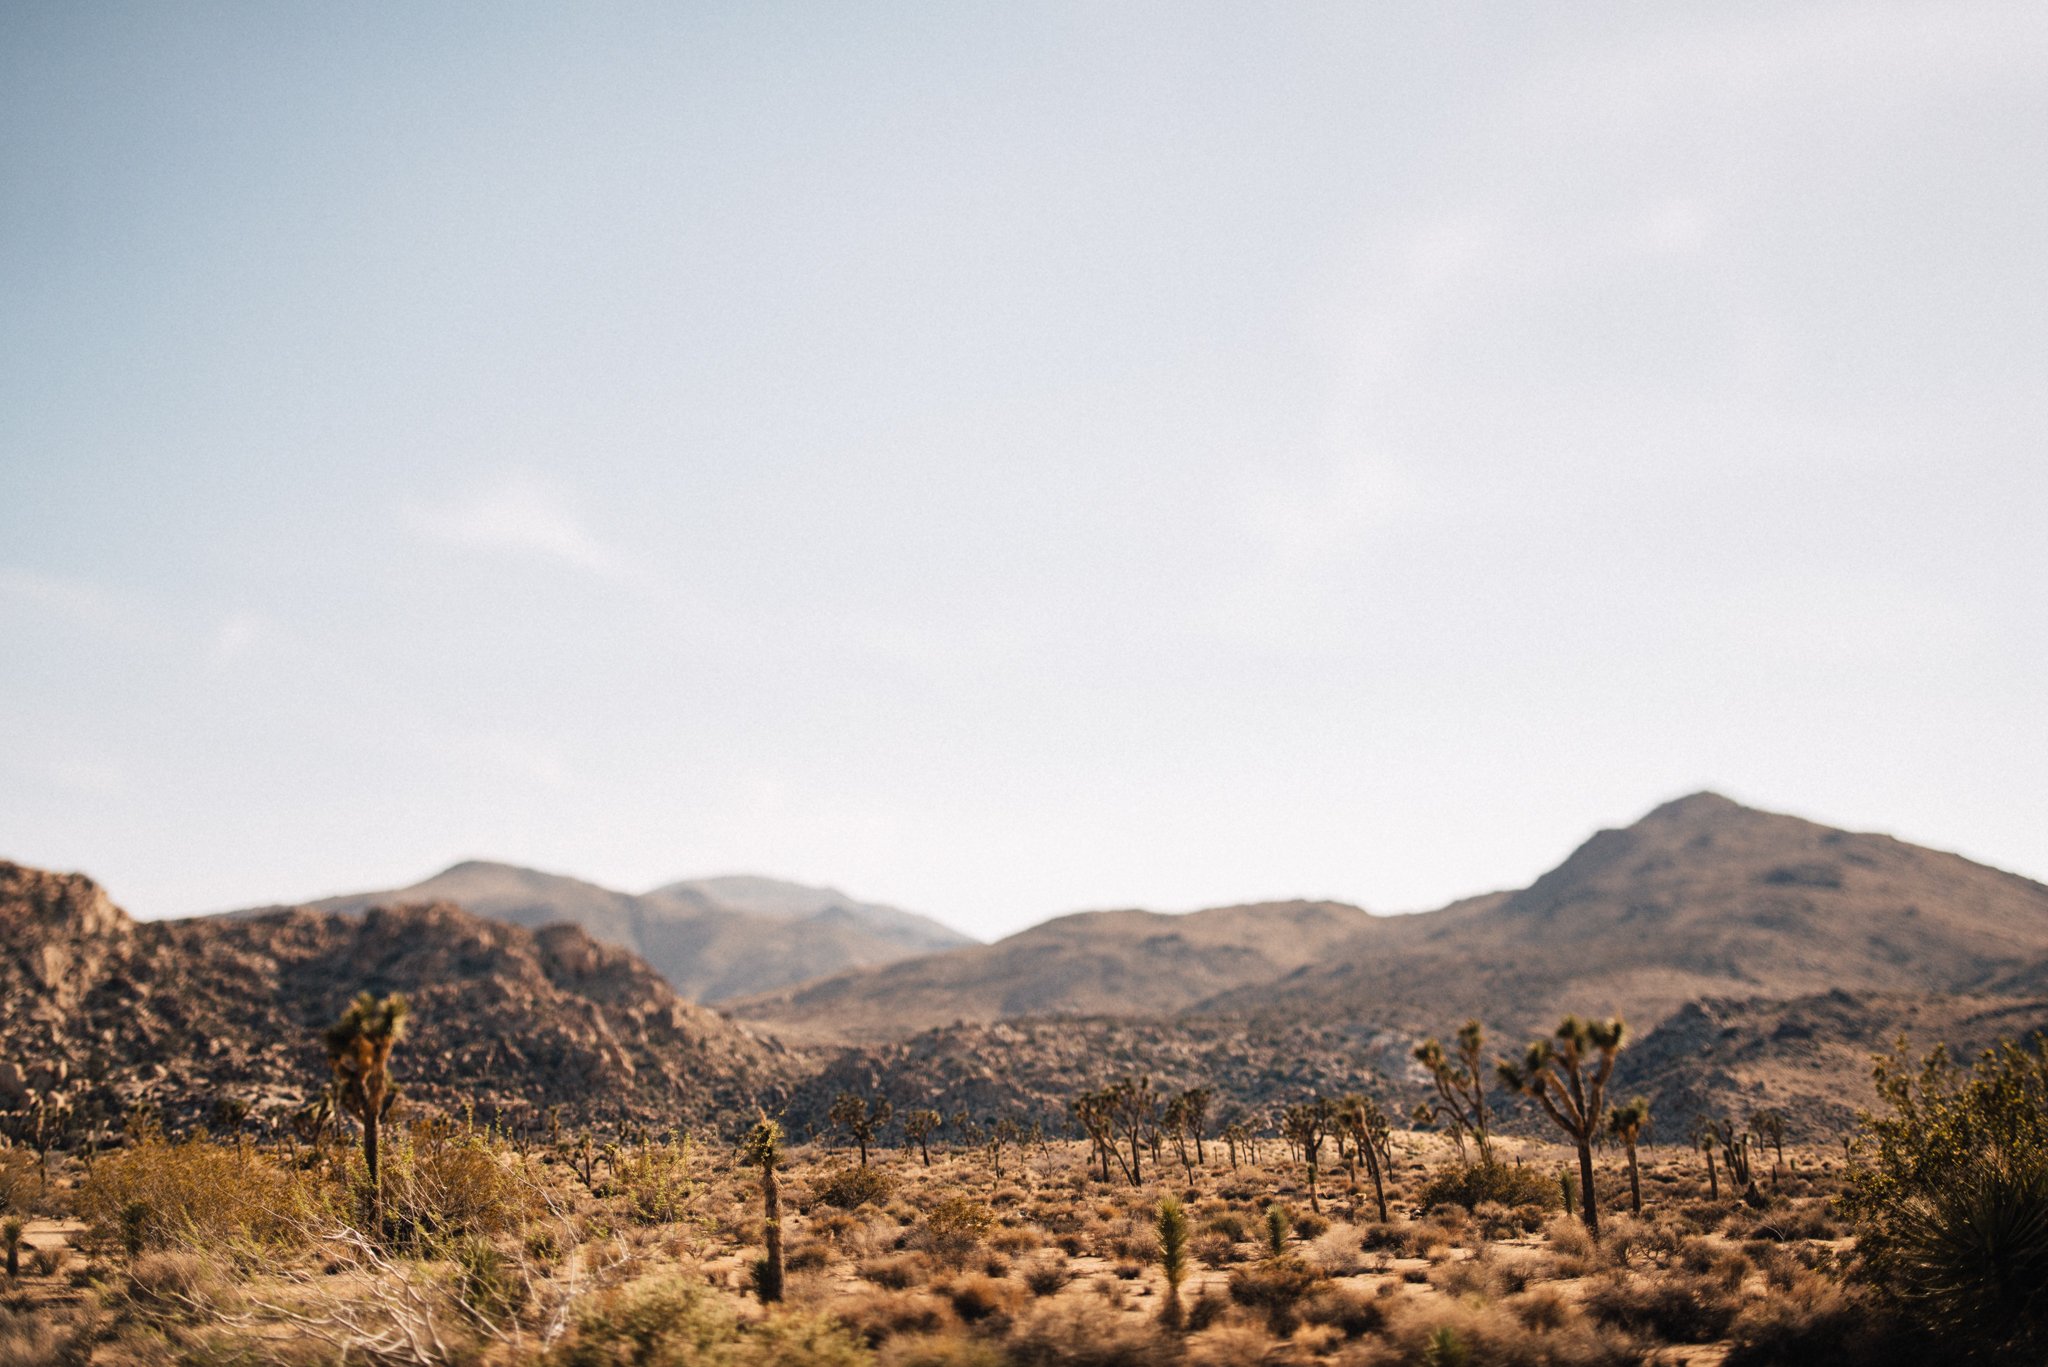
{"x":1010,"y":459}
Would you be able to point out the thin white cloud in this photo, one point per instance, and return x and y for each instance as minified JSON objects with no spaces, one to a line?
{"x":523,"y":516}
{"x":234,"y":636}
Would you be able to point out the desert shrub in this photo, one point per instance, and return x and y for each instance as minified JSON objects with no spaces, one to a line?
{"x":1227,"y":1345}
{"x":1952,"y":1210}
{"x":676,"y":1323}
{"x":975,"y":1299}
{"x":1086,"y":1332}
{"x":1346,"y":1309}
{"x":178,"y":1283}
{"x":29,"y":1340}
{"x":1021,"y":1240}
{"x":1471,"y":1184}
{"x":1204,"y":1310}
{"x":1421,"y":1332}
{"x":1231,"y":1226}
{"x":1047,"y":1277}
{"x":953,"y":1227}
{"x":654,"y":1181}
{"x":878,"y":1317}
{"x":1673,"y":1307}
{"x":1336,"y":1252}
{"x":487,"y":1283}
{"x":49,"y":1261}
{"x":1213,"y":1250}
{"x":942,"y":1350}
{"x":806,"y":1257}
{"x":199,"y":1195}
{"x":1543,"y":1308}
{"x":21,"y":1180}
{"x":898,"y":1272}
{"x":850,"y":1187}
{"x":1820,"y":1323}
{"x":441,"y":1181}
{"x":1308,"y":1225}
{"x":1275,"y":1287}
{"x":1568,"y":1237}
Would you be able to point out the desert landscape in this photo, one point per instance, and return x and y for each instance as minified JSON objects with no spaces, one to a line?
{"x":1266,"y":1156}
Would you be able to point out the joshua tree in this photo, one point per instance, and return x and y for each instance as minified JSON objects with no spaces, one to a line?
{"x":10,"y":1234}
{"x":1276,"y":1231}
{"x":762,"y":1149}
{"x":918,"y":1127}
{"x":852,"y":1112}
{"x":231,"y":1113}
{"x":1734,"y":1152}
{"x":1134,"y":1104}
{"x":1371,"y":1137}
{"x":1555,"y":1072}
{"x":1195,"y":1103}
{"x":359,"y":1050}
{"x":1001,"y":1134}
{"x":1233,"y":1135}
{"x":1305,"y":1127}
{"x":1770,"y":1125}
{"x":1460,"y":1087}
{"x":1627,"y":1124}
{"x":1097,"y":1115}
{"x":1702,"y":1137}
{"x":1173,"y":1257}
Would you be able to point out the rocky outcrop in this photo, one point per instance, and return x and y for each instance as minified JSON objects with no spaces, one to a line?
{"x":101,"y":1013}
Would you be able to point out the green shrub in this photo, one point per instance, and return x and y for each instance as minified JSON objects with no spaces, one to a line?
{"x":1471,"y":1184}
{"x":1952,"y":1211}
{"x":850,"y":1187}
{"x":655,"y":1182}
{"x":199,"y":1195}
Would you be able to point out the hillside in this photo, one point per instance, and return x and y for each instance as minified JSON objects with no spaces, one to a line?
{"x":108,"y":1012}
{"x":712,"y":938}
{"x":1124,"y":963}
{"x":1702,"y":898}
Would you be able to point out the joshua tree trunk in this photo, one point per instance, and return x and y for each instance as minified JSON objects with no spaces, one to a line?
{"x":1586,"y":1194}
{"x":1713,"y":1177}
{"x":1635,"y":1182}
{"x":1379,"y":1191}
{"x":771,"y":1233}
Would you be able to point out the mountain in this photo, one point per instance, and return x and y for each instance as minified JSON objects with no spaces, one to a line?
{"x":1702,"y":898}
{"x":712,"y":938}
{"x":1124,"y":963}
{"x":108,"y":1012}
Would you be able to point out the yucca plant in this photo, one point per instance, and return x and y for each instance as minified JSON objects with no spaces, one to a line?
{"x":1173,"y":1258}
{"x":860,"y":1120}
{"x":1460,"y":1089}
{"x":10,"y":1234}
{"x":918,"y":1127}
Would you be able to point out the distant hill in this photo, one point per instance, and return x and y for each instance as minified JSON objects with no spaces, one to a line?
{"x":108,"y":1012}
{"x":1097,"y":963}
{"x":1702,"y":898}
{"x":712,"y":938}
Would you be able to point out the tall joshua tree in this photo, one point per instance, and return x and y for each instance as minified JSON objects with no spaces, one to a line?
{"x":762,"y":1148}
{"x":1627,"y":1124}
{"x":1567,"y":1075}
{"x":1371,"y":1137}
{"x":918,"y":1127}
{"x":852,"y":1112}
{"x":1305,"y":1126}
{"x":359,"y":1049}
{"x":1460,"y":1088}
{"x":1195,"y":1101}
{"x":1135,"y":1106}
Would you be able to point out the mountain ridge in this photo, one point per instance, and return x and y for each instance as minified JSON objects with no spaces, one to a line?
{"x":711,"y":938}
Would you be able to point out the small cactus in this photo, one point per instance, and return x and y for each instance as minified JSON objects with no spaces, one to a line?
{"x":1173,"y":1257}
{"x":10,"y":1233}
{"x":1276,"y":1230}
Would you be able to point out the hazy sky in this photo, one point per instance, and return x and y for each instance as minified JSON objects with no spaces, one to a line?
{"x":1004,"y":459}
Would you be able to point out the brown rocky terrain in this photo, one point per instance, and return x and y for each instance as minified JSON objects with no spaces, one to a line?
{"x":712,"y":938}
{"x":106,"y":1012}
{"x":1124,"y":963}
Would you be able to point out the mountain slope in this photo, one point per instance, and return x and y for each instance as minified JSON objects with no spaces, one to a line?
{"x":1701,"y":898}
{"x":712,"y":938}
{"x":1127,"y":963}
{"x":109,"y":1011}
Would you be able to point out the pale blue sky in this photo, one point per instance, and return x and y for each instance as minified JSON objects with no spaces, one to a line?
{"x":1006,"y":459}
